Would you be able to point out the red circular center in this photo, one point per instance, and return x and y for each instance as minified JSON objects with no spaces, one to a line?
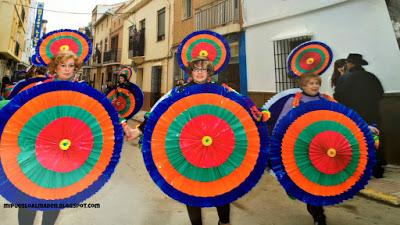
{"x":48,"y":151}
{"x":212,"y":52}
{"x":318,"y":152}
{"x":120,"y":103}
{"x":200,"y":155}
{"x":72,"y":45}
{"x":307,"y":65}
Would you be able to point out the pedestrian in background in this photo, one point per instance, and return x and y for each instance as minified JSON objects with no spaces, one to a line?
{"x":362,"y":91}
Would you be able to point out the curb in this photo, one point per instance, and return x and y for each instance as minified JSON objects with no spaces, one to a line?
{"x":381,"y":196}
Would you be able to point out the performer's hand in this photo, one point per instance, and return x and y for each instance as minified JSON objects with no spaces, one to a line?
{"x":131,"y":133}
{"x":374,"y":130}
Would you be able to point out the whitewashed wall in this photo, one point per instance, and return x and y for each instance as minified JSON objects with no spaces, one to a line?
{"x":359,"y":26}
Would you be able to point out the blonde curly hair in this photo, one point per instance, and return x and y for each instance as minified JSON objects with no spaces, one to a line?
{"x":61,"y":57}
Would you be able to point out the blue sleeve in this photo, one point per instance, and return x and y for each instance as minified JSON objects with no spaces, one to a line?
{"x":286,"y":108}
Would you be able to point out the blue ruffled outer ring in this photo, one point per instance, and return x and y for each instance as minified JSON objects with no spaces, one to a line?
{"x":20,"y":85}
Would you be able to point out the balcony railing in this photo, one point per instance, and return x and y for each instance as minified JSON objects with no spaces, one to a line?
{"x":96,"y":58}
{"x":112,"y":56}
{"x":136,"y":43}
{"x":223,"y":13}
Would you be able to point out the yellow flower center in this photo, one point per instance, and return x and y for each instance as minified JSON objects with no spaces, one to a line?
{"x":310,"y":61}
{"x":207,"y":140}
{"x":64,"y":48}
{"x":203,"y":53}
{"x":331,"y":152}
{"x":65,"y":144}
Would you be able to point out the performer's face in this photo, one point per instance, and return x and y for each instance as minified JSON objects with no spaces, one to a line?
{"x":311,"y":87}
{"x":199,"y":73}
{"x":121,"y":79}
{"x":66,"y":69}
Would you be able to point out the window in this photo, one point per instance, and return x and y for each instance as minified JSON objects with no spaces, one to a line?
{"x":161,"y":24}
{"x":132,"y":30}
{"x":282,"y":48}
{"x":16,"y":48}
{"x":236,"y":4}
{"x":136,"y":40}
{"x":187,"y":9}
{"x":105,"y":44}
{"x":114,"y":43}
{"x":156,"y":74}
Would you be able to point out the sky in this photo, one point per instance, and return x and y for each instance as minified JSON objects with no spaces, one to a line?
{"x":66,"y":20}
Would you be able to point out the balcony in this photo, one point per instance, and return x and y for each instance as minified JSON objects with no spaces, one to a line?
{"x":96,"y":58}
{"x":216,"y":15}
{"x":136,"y":43}
{"x":112,"y":56}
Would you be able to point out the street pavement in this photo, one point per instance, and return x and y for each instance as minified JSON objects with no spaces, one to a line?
{"x":386,"y":189}
{"x":132,"y":198}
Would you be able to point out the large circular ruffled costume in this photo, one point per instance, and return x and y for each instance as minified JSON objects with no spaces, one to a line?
{"x":127,"y":100}
{"x":322,"y":152}
{"x":60,"y":143}
{"x":202,"y":146}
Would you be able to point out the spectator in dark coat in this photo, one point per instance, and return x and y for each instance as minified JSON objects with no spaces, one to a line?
{"x":361,"y":91}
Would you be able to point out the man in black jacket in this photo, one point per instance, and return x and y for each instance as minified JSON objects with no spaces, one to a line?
{"x":361,"y":91}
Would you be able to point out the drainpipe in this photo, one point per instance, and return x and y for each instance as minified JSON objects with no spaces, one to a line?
{"x":170,"y":32}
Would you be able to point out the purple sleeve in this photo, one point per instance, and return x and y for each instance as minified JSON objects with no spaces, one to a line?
{"x":286,"y":108}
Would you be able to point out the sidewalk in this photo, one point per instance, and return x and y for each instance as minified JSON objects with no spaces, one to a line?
{"x":386,"y":189}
